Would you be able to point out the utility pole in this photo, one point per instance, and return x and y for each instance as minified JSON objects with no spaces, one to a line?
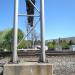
{"x":43,"y":55}
{"x":15,"y":28}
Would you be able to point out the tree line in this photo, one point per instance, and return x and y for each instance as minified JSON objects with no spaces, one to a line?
{"x":6,"y":40}
{"x":63,"y":43}
{"x":7,"y":43}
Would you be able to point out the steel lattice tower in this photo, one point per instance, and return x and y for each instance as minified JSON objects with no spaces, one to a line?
{"x":30,"y":5}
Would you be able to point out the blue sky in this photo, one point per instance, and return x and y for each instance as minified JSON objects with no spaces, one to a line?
{"x":59,"y":17}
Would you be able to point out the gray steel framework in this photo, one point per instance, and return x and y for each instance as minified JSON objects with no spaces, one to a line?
{"x":15,"y":26}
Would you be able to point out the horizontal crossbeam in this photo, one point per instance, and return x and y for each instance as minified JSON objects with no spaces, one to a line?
{"x":28,"y":15}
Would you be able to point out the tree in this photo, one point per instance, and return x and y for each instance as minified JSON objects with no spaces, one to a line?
{"x":52,"y":45}
{"x":8,"y":39}
{"x":70,"y":42}
{"x":24,"y":44}
{"x":64,"y":44}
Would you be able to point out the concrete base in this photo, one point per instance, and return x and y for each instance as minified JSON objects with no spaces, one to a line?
{"x":28,"y":69}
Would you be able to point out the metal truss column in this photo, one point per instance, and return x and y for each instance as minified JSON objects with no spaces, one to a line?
{"x":15,"y":28}
{"x":33,"y":36}
{"x":43,"y":55}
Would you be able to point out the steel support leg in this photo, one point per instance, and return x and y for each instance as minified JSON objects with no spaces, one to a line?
{"x":43,"y":55}
{"x":33,"y":36}
{"x":15,"y":27}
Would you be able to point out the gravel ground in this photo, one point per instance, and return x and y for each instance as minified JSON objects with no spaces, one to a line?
{"x":62,"y":65}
